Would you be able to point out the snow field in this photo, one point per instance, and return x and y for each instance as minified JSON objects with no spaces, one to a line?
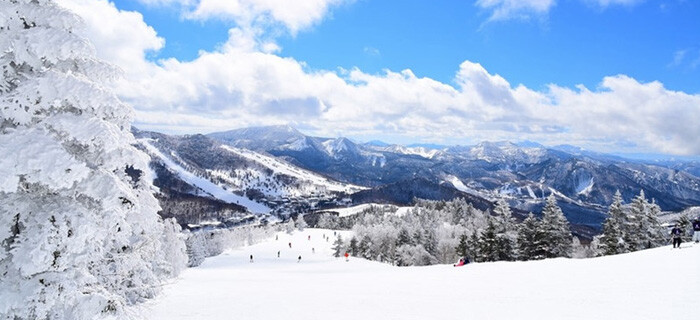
{"x":660,"y":283}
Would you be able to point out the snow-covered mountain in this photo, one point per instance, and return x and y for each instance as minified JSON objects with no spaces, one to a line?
{"x":524,"y":173}
{"x":259,"y":182}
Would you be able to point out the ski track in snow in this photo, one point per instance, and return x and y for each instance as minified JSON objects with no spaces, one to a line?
{"x":204,"y":184}
{"x":660,"y":283}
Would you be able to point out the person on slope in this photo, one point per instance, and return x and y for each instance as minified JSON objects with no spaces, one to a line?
{"x":676,"y":233}
{"x":251,"y":258}
{"x":346,"y":257}
{"x":696,"y":230}
{"x":299,"y":260}
{"x":461,"y":262}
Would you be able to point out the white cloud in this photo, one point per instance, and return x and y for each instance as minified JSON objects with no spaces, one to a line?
{"x":245,"y":83}
{"x":293,"y":15}
{"x":120,"y":37}
{"x":510,"y":9}
{"x":606,"y":3}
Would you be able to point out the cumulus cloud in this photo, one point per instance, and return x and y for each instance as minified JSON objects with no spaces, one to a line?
{"x":245,"y":83}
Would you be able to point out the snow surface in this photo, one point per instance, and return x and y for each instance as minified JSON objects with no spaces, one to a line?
{"x":350,"y":211}
{"x":459,"y":185}
{"x":660,"y":283}
{"x":203,"y":183}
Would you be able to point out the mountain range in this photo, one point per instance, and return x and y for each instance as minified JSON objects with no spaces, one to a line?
{"x":286,"y":170}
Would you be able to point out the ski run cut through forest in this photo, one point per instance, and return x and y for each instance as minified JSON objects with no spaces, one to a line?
{"x":660,"y":283}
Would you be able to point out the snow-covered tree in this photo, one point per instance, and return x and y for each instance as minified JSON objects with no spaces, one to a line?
{"x":462,"y":248}
{"x":557,"y":233}
{"x":289,"y":226}
{"x":338,"y":247}
{"x":327,"y":221}
{"x":301,"y":223}
{"x":353,"y":248}
{"x":493,"y":245}
{"x":612,"y":239}
{"x":532,"y":244}
{"x":647,"y":228}
{"x":79,"y":230}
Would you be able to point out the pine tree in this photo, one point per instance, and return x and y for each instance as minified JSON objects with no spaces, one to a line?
{"x":79,"y":232}
{"x":557,"y":233}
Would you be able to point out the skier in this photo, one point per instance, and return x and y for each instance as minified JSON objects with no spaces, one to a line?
{"x":309,"y":237}
{"x":346,"y":257}
{"x":299,"y":260}
{"x":696,"y":230}
{"x":251,"y":258}
{"x":290,"y":244}
{"x":313,"y":250}
{"x":676,"y":233}
{"x":278,"y":253}
{"x":276,"y":237}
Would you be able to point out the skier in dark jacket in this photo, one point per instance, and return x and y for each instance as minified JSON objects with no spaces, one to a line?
{"x":676,"y":233}
{"x":696,"y":230}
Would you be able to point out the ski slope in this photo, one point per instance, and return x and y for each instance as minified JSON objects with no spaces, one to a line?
{"x":205,"y":184}
{"x":285,"y":168}
{"x":660,"y":283}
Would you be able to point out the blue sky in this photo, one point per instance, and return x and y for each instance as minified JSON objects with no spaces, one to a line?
{"x":575,"y":43}
{"x":619,"y":76}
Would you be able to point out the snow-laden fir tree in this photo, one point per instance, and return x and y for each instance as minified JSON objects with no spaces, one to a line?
{"x":532,"y":244}
{"x":556,"y":229}
{"x":647,"y":228}
{"x":338,"y":247}
{"x":301,"y":223}
{"x":506,"y":226}
{"x":79,"y":230}
{"x":612,"y":239}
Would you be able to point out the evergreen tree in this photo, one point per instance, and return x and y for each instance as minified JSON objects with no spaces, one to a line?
{"x":612,"y":239}
{"x":557,"y":233}
{"x":649,"y":228}
{"x":403,"y":238}
{"x":531,"y":239}
{"x":462,"y":248}
{"x":338,"y":247}
{"x":80,"y":237}
{"x":506,"y":230}
{"x":354,"y":249}
{"x":301,"y":223}
{"x":489,"y":244}
{"x":364,"y":247}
